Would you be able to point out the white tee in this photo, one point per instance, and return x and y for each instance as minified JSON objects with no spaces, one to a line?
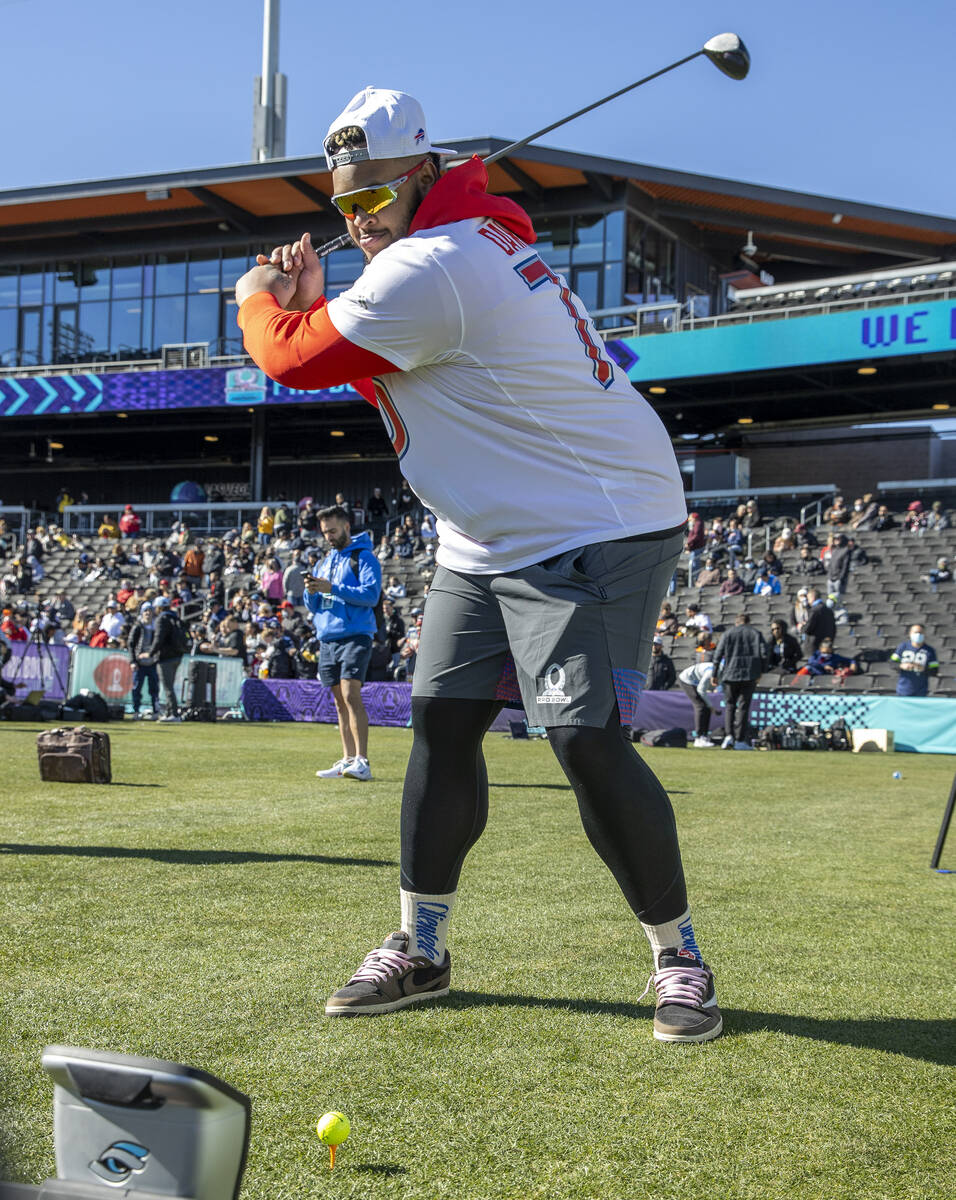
{"x":508,"y":417}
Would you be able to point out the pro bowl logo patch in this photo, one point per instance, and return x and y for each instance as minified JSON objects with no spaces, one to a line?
{"x":118,"y":1161}
{"x":553,"y":692}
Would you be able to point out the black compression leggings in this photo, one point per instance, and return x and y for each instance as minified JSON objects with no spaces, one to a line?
{"x":625,"y":811}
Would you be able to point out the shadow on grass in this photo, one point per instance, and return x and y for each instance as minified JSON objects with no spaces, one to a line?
{"x":124,"y":783}
{"x":380,"y":1169}
{"x":933,"y":1041}
{"x":193,"y":858}
{"x":557,"y":787}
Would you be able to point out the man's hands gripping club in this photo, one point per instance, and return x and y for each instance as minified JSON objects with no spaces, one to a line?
{"x":292,"y":273}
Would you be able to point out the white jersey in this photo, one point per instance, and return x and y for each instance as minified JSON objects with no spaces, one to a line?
{"x":508,"y":417}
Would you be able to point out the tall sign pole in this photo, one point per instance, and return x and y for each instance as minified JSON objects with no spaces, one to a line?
{"x":269,"y":102}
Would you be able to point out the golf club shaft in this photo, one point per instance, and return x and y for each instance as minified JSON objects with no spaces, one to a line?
{"x":581,"y":111}
{"x":338,"y":243}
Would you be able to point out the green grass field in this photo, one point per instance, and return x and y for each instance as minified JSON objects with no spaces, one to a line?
{"x":202,"y":907}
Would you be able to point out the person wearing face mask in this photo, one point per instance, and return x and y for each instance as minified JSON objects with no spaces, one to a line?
{"x":916,"y":661}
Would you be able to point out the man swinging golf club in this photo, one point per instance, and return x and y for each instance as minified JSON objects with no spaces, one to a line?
{"x":560,"y":518}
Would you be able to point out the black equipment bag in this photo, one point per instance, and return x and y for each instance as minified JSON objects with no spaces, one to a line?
{"x":665,"y":737}
{"x":202,"y":691}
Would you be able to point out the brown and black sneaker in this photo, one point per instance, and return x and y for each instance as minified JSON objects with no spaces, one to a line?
{"x":388,"y":979}
{"x":686,"y":1000}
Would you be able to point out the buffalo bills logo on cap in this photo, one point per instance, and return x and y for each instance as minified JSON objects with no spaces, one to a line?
{"x":420,"y":136}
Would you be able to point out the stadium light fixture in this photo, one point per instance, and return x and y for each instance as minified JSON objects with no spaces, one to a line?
{"x":210,"y":437}
{"x":866,"y":370}
{"x":941,"y":408}
{"x":658,"y":391}
{"x":336,"y":433}
{"x":745,"y":420}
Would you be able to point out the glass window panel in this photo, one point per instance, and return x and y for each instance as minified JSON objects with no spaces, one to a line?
{"x":587,"y":286}
{"x":344,"y":266}
{"x":8,"y":286}
{"x":169,"y":320}
{"x":203,"y":274}
{"x":202,"y":319}
{"x":634,"y":283}
{"x":67,"y":274}
{"x":127,"y":279}
{"x":31,"y":287}
{"x":170,"y":274}
{"x":588,"y":239}
{"x":124,"y":327}
{"x":94,"y":280}
{"x":146,"y":337}
{"x":554,"y":241}
{"x":148,"y":280}
{"x":47,"y":322}
{"x":614,"y":235}
{"x":234,"y":266}
{"x":66,"y":334}
{"x":30,"y":331}
{"x":8,"y":337}
{"x":94,"y":328}
{"x":231,"y":340}
{"x":613,"y":285}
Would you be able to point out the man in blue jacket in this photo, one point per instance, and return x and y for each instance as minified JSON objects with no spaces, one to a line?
{"x":341,"y":593}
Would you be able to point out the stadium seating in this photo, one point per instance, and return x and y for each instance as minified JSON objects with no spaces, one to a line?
{"x":883,"y":598}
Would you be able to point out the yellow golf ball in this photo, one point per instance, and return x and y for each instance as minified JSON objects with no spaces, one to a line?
{"x":333,"y":1128}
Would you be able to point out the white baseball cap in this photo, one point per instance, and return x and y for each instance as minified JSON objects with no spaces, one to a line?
{"x":393,"y":124}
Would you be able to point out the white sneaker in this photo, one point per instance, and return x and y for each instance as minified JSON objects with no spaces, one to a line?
{"x":171,"y":720}
{"x":742,"y":746}
{"x":336,"y":771}
{"x":704,"y":743}
{"x":727,"y":743}
{"x":358,"y":768}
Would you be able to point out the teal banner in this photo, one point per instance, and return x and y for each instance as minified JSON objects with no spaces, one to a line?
{"x":797,"y":341}
{"x":110,"y":673}
{"x":924,"y":725}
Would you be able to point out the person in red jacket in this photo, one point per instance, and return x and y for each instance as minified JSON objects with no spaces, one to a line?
{"x":14,"y":631}
{"x":129,"y":522}
{"x":560,"y":517}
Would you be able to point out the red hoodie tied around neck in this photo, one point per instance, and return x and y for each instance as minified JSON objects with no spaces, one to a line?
{"x":305,"y":350}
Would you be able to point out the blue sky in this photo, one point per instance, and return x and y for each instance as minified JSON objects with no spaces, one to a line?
{"x":845,"y":98}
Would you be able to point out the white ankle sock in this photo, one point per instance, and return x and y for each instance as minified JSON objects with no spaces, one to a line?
{"x":425,"y":919}
{"x":677,"y":934}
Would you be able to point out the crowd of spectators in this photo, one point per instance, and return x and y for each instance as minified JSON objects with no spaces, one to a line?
{"x":239,"y":595}
{"x":805,"y":575}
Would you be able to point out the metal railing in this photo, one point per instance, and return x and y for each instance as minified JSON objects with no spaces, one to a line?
{"x":25,"y":516}
{"x":116,"y":366}
{"x":677,"y":321}
{"x":208,"y":518}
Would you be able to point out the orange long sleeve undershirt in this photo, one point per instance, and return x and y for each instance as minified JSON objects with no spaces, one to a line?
{"x":305,"y":350}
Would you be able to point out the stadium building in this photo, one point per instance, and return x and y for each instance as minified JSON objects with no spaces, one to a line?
{"x":765,"y":325}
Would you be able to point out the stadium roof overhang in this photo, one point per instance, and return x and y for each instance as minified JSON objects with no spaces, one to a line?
{"x":797,"y":234}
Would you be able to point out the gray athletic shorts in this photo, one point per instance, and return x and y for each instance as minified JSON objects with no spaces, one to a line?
{"x":567,"y":637}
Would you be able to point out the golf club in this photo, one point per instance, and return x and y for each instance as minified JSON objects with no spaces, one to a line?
{"x":726,"y":51}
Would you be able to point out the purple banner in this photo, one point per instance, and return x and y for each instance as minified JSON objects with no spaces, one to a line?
{"x":139,"y":391}
{"x":305,"y":700}
{"x":35,"y":668}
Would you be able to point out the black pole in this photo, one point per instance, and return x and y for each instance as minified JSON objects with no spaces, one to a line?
{"x":944,"y":828}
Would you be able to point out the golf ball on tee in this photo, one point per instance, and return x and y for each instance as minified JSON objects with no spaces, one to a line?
{"x":333,"y":1128}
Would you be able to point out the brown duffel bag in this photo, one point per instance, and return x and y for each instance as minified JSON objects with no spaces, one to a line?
{"x":79,"y":755}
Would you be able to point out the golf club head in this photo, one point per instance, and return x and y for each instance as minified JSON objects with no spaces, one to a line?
{"x":729,"y":54}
